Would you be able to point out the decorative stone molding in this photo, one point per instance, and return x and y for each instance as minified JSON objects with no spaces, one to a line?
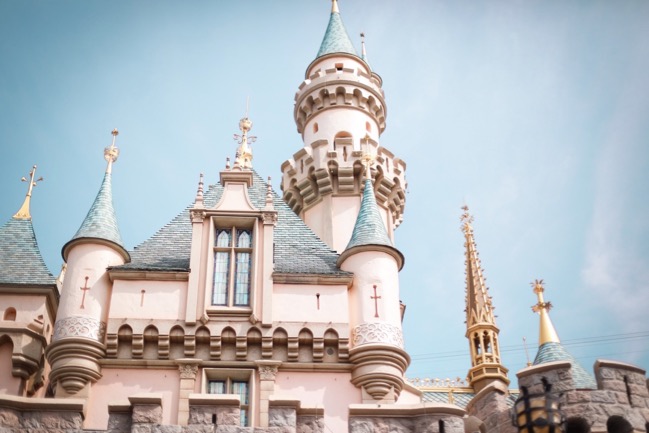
{"x":368,"y":333}
{"x":79,"y":326}
{"x":268,"y":369}
{"x":197,"y":215}
{"x":188,"y":371}
{"x":269,"y":217}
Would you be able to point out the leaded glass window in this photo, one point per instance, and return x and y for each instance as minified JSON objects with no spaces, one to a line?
{"x":232,"y":267}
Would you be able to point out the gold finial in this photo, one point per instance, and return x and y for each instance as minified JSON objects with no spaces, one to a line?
{"x":111,"y":152}
{"x":451,"y":397}
{"x":23,"y":212}
{"x":334,"y":6}
{"x":467,"y":220}
{"x":367,"y":156}
{"x":243,"y":157}
{"x":547,"y":333}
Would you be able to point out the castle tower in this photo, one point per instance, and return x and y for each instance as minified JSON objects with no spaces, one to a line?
{"x":79,"y":332}
{"x":375,"y":313}
{"x":28,"y":302}
{"x":481,"y":329}
{"x":340,"y":111}
{"x":550,"y":347}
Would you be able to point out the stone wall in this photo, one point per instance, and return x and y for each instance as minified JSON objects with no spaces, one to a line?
{"x":489,"y":410}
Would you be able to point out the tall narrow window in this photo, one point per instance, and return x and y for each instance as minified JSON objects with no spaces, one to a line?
{"x":236,"y":387}
{"x":232,"y":267}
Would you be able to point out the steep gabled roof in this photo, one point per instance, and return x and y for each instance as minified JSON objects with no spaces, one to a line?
{"x":336,"y":39}
{"x":21,"y":262}
{"x":297,"y":249}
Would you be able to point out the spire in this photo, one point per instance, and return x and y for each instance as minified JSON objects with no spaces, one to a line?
{"x":547,"y":332}
{"x":243,"y":157}
{"x":101,"y":222}
{"x":481,"y":329}
{"x":23,"y":212}
{"x":363,"y":51}
{"x":551,"y":349}
{"x":336,"y":39}
{"x":479,"y":308}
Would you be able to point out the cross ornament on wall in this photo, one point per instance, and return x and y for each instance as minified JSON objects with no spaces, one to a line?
{"x":376,"y":302}
{"x":85,"y":288}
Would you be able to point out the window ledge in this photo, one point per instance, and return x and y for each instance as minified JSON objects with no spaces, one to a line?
{"x":215,"y":311}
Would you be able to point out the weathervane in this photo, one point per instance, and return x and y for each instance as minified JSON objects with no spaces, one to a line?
{"x":23,"y":212}
{"x":243,"y":157}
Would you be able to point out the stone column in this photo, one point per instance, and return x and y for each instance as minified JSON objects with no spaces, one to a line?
{"x":267,"y":373}
{"x":188,"y":369}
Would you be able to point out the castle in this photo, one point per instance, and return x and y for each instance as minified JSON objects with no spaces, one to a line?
{"x":254,"y":311}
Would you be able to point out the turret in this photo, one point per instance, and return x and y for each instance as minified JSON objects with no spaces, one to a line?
{"x":550,"y":347}
{"x":375,"y":317}
{"x":340,"y":110}
{"x":79,"y":333}
{"x":481,"y":329}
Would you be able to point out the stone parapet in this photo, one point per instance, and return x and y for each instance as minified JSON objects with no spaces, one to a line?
{"x":420,"y":418}
{"x":22,"y":415}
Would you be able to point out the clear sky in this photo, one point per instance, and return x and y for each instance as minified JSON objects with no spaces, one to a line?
{"x":534,"y":113}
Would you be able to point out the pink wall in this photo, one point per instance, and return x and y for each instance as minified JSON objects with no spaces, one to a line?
{"x":9,"y":384}
{"x":161,"y":300}
{"x":332,"y":391}
{"x":298,"y":303}
{"x":119,"y":384}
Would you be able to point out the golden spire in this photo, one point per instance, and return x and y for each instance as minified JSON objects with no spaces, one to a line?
{"x":547,"y":333}
{"x":334,"y":6}
{"x":23,"y":212}
{"x":243,"y":158}
{"x":111,"y":152}
{"x":479,"y":307}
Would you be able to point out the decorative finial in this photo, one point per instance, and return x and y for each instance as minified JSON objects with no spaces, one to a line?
{"x":269,"y":192}
{"x":334,"y":6}
{"x":244,"y":151}
{"x":198,"y":201}
{"x":547,"y":333}
{"x":23,"y":212}
{"x":363,"y":52}
{"x":111,"y":152}
{"x":227,"y":163}
{"x":467,"y":220}
{"x":367,"y":157}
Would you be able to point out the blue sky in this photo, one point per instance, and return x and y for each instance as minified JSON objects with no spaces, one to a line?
{"x":534,"y":113}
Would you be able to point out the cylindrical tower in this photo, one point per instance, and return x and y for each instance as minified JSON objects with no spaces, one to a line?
{"x":340,"y":111}
{"x":79,"y":332}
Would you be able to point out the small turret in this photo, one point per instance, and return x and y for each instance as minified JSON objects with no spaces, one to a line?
{"x":550,"y":347}
{"x":79,"y":332}
{"x":377,"y":339}
{"x":481,"y":329}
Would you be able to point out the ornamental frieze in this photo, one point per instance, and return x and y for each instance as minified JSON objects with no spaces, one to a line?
{"x":368,"y":333}
{"x":78,"y":326}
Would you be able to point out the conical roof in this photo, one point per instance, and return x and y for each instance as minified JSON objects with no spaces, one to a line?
{"x":554,"y":351}
{"x":369,"y":228}
{"x":336,"y":39}
{"x":101,"y":222}
{"x":20,"y":258}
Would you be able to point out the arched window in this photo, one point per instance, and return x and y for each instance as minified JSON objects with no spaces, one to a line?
{"x":315,"y":127}
{"x":617,"y":424}
{"x":442,"y":427}
{"x":10,"y":314}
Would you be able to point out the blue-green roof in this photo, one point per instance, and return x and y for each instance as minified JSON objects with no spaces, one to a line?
{"x":336,"y":39}
{"x":369,"y":228}
{"x":21,"y":262}
{"x":553,"y":351}
{"x":297,"y":249}
{"x":461,"y":399}
{"x":101,"y":222}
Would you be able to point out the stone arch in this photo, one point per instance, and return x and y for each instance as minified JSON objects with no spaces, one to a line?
{"x":280,"y":345}
{"x":577,"y":424}
{"x":342,"y":135}
{"x":125,"y":342}
{"x":254,"y":343}
{"x":617,"y":424}
{"x":151,"y":335}
{"x":228,"y":344}
{"x":340,"y":95}
{"x":305,"y":346}
{"x":176,"y":342}
{"x":330,"y":346}
{"x":203,"y":338}
{"x":9,"y":315}
{"x":357,"y":98}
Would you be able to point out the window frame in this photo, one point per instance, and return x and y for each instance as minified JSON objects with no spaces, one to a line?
{"x":229,"y":377}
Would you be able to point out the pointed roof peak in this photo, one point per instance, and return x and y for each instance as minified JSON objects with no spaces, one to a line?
{"x":101,"y":222}
{"x":547,"y":333}
{"x":21,"y":261}
{"x":23,"y":212}
{"x":336,"y":39}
